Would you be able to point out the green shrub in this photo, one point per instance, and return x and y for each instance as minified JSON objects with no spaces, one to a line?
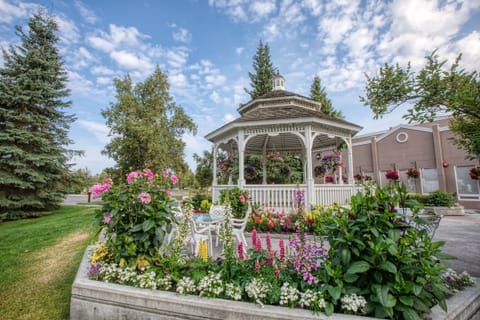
{"x":238,"y":200}
{"x":440,"y":198}
{"x":375,"y":252}
{"x":198,"y":198}
{"x":436,"y":198}
{"x":136,"y":215}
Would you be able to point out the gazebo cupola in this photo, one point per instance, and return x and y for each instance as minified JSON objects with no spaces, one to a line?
{"x":278,"y":82}
{"x":291,"y":123}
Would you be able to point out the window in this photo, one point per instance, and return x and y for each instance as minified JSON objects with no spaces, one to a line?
{"x":467,"y":188}
{"x":429,"y":180}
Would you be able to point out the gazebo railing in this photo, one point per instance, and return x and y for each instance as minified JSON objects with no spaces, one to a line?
{"x":282,"y":197}
{"x":327,"y":194}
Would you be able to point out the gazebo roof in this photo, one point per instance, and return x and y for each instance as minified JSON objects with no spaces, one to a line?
{"x":278,"y":114}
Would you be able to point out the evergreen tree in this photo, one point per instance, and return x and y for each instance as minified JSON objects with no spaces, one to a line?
{"x":317,"y":93}
{"x":33,"y":124}
{"x":146,"y":126}
{"x":261,"y":79}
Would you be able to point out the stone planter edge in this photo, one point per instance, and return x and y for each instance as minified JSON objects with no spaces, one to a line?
{"x":99,"y":300}
{"x":447,"y":211}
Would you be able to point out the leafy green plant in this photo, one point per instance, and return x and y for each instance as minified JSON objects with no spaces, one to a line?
{"x":376,"y":253}
{"x":137,"y":215}
{"x":238,"y":199}
{"x":440,"y":198}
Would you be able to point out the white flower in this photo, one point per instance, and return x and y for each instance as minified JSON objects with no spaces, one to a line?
{"x":186,"y":286}
{"x":233,"y":291}
{"x":211,"y":285}
{"x":353,"y":303}
{"x":257,"y":290}
{"x":289,"y":295}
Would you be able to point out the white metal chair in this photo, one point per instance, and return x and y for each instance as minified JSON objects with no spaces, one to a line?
{"x":217,"y":210}
{"x":238,"y":228}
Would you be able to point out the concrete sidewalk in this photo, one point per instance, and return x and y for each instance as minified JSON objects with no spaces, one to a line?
{"x":462,"y":237}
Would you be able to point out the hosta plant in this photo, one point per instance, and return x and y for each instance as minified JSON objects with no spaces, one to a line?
{"x":375,"y":252}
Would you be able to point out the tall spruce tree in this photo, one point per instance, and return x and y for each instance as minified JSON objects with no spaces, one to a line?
{"x":33,"y":124}
{"x":317,"y":93}
{"x":261,"y":79}
{"x":146,"y":126}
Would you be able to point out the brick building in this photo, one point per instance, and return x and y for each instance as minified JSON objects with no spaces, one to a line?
{"x":427,"y":148}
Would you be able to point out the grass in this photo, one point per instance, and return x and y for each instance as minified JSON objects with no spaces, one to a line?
{"x":38,"y":262}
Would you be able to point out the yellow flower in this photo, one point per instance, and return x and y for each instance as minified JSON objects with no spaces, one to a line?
{"x":142,"y":263}
{"x":203,"y":250}
{"x":121,"y":264}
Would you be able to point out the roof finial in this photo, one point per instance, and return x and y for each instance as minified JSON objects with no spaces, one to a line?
{"x":278,"y":82}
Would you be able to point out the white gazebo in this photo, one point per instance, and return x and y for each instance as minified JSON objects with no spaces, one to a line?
{"x":287,"y":122}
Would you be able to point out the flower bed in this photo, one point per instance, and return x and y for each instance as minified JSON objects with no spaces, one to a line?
{"x":376,"y":265}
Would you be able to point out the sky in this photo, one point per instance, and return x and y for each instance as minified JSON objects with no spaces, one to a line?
{"x":206,"y":48}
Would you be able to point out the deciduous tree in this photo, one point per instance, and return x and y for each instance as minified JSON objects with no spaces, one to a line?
{"x":34,"y":125}
{"x":434,"y":90}
{"x":146,"y":126}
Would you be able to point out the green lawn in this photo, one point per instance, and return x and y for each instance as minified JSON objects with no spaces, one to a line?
{"x":38,"y":262}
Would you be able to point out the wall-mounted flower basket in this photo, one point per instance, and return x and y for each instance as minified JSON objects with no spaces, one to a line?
{"x":475,"y":173}
{"x":413,"y":173}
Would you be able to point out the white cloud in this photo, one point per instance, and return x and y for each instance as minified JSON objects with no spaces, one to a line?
{"x":69,"y":32}
{"x":131,"y":60}
{"x":177,"y":80}
{"x":101,"y":70}
{"x":262,"y":9}
{"x":469,"y":46}
{"x":215,"y":97}
{"x":87,"y":14}
{"x":177,"y":57}
{"x":182,"y":35}
{"x":228,"y":117}
{"x":239,"y":50}
{"x":10,"y":11}
{"x":100,"y":43}
{"x":104,"y":80}
{"x":99,"y":130}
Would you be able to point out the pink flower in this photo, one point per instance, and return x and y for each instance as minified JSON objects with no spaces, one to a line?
{"x":174,"y":179}
{"x":98,"y":189}
{"x":107,"y":181}
{"x":107,"y":218}
{"x":240,"y":250}
{"x":149,"y":174}
{"x":165,"y":173}
{"x":144,"y":198}
{"x":277,"y":273}
{"x":258,"y":245}
{"x":132,"y":176}
{"x":282,"y":249}
{"x":257,"y":265}
{"x":169,"y":192}
{"x":254,"y":236}
{"x":242,"y":198}
{"x":269,"y":242}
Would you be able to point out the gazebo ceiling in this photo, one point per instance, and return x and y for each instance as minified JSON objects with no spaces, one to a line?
{"x":286,"y":142}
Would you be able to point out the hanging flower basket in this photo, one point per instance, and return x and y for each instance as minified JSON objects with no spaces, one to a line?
{"x":413,"y":173}
{"x":331,"y":161}
{"x":475,"y":173}
{"x":319,"y":171}
{"x":392,"y":175}
{"x":225,"y":166}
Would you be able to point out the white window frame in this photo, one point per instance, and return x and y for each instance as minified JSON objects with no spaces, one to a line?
{"x":421,"y":180}
{"x":466,"y":197}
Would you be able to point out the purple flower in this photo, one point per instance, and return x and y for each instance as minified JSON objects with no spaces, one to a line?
{"x":94,"y":270}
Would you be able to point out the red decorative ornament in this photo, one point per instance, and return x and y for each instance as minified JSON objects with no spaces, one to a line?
{"x":445,"y":164}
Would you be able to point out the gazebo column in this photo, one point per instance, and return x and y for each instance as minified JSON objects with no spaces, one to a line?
{"x":350,"y":160}
{"x":309,"y":199}
{"x":241,"y":158}
{"x":264,"y":162}
{"x":215,"y":181}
